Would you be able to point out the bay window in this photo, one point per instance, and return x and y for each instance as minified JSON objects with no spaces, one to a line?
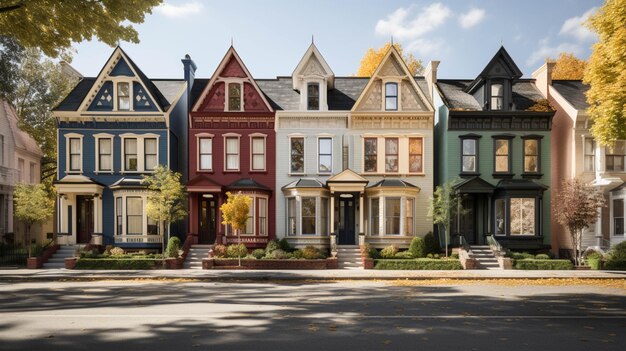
{"x":615,"y":155}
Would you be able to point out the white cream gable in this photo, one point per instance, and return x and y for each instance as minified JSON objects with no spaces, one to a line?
{"x":313,"y":68}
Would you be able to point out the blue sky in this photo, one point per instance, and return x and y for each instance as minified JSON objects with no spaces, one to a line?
{"x":271,"y":36}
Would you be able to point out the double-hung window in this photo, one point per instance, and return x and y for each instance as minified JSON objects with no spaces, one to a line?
{"x":502,"y":155}
{"x":391,"y":96}
{"x":297,"y":155}
{"x":590,"y":155}
{"x":308,"y":215}
{"x":232,"y":153}
{"x":325,"y":155}
{"x":130,"y":154}
{"x":313,"y":96}
{"x":615,"y":155}
{"x":375,"y":215}
{"x":206,"y":154}
{"x":497,"y":96}
{"x":391,"y":154}
{"x":522,"y":216}
{"x":531,"y":155}
{"x":469,"y":157}
{"x":258,"y":153}
{"x":416,"y":155}
{"x":118,"y":216}
{"x":262,"y":216}
{"x":75,"y":155}
{"x":105,"y":154}
{"x":392,"y":215}
{"x":150,"y":153}
{"x":370,"y":157}
{"x":123,"y":96}
{"x":134,"y":215}
{"x":618,"y":216}
{"x":291,"y":216}
{"x":234,"y":97}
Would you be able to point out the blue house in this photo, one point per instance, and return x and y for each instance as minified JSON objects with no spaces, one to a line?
{"x":112,"y":130}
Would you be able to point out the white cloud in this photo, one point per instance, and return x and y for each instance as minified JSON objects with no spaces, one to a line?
{"x":575,"y":26}
{"x":411,"y":26}
{"x":180,"y":10}
{"x":471,"y":18}
{"x":551,"y":51}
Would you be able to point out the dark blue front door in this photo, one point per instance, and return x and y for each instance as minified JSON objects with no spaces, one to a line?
{"x":347,"y":209}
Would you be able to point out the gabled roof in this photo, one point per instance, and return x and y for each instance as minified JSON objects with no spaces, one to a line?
{"x":303,"y":183}
{"x":474,"y":185}
{"x":501,"y":65}
{"x":347,"y":176}
{"x":573,"y":91}
{"x":520,"y":184}
{"x":22,"y":140}
{"x":313,"y":54}
{"x":246,"y":184}
{"x":201,"y":179}
{"x":126,"y":182}
{"x":231,"y":53}
{"x":77,"y":179}
{"x":454,"y":95}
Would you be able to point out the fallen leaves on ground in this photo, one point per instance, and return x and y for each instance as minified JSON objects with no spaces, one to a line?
{"x":606,"y":283}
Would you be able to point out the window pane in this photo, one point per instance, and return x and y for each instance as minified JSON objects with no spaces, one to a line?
{"x":206,"y":161}
{"x":325,"y":145}
{"x":496,"y":90}
{"x":500,"y":217}
{"x":370,"y":158}
{"x":392,"y":216}
{"x":151,"y":162}
{"x":408,"y":223}
{"x":522,"y":216}
{"x":122,"y":89}
{"x":308,"y":215}
{"x":232,"y":145}
{"x":232,"y":162}
{"x":151,"y":146}
{"x":297,"y":155}
{"x":391,"y":89}
{"x":291,"y":216}
{"x":258,"y":145}
{"x":375,"y":215}
{"x":391,"y":103}
{"x":618,"y":217}
{"x":469,"y":147}
{"x":324,"y":217}
{"x":258,"y":162}
{"x":469,"y":163}
{"x":502,"y":163}
{"x":75,"y":145}
{"x":530,"y":164}
{"x":530,"y":147}
{"x":234,"y":97}
{"x":105,"y":162}
{"x":502,"y":147}
{"x":130,"y":146}
{"x":75,"y":162}
{"x":262,"y":216}
{"x":206,"y":145}
{"x":105,"y":146}
{"x":415,"y":146}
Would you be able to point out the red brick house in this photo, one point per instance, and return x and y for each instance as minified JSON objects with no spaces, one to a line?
{"x":231,"y":149}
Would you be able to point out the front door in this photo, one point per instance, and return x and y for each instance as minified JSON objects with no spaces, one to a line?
{"x":84,"y":219}
{"x":207,"y":218}
{"x":467,"y":225}
{"x":347,"y":209}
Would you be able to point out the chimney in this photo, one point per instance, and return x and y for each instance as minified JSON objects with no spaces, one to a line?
{"x":69,"y":71}
{"x":543,"y":78}
{"x":189,"y":68}
{"x":430,"y":73}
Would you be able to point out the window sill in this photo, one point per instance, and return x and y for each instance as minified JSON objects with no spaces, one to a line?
{"x":258,"y":171}
{"x":210,"y":171}
{"x":532,"y":175}
{"x":469,"y":174}
{"x":104,"y":172}
{"x":136,"y":172}
{"x":297,"y":174}
{"x":233,"y":171}
{"x":502,"y":175}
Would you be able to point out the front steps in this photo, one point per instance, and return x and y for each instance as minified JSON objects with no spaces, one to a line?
{"x":58,"y":259}
{"x":484,"y":256}
{"x":349,"y":257}
{"x":195,"y":256}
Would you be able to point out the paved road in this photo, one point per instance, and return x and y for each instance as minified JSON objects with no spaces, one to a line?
{"x":359,"y":315}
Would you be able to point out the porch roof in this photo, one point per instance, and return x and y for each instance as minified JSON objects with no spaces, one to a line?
{"x":474,"y":185}
{"x":128,"y":183}
{"x":521,"y":184}
{"x":246,"y":184}
{"x":76,"y":183}
{"x":305,"y":183}
{"x":202,"y":183}
{"x":393,"y":183}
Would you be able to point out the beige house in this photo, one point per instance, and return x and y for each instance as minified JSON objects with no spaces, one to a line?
{"x":576,"y":154}
{"x":20,"y":162}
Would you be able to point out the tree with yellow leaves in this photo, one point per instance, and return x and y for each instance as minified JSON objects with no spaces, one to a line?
{"x":606,"y":73}
{"x":568,"y":67}
{"x":235,"y":213}
{"x":373,"y":57}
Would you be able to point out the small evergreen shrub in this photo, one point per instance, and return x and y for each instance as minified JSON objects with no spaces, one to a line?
{"x":117,"y":251}
{"x":258,"y":253}
{"x":542,"y":257}
{"x":403,"y":255}
{"x":389,"y":251}
{"x":312,"y":253}
{"x":284,"y":245}
{"x":272,"y":245}
{"x":236,"y":251}
{"x":430,"y":244}
{"x":219,"y":251}
{"x":417,"y":247}
{"x":298,"y":254}
{"x":533,"y":264}
{"x":173,"y":245}
{"x":618,"y":252}
{"x":615,"y":265}
{"x":522,"y":255}
{"x":277,"y":254}
{"x":418,"y":264}
{"x":115,"y":263}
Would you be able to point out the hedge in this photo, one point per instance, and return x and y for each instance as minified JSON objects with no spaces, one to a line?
{"x":113,"y":263}
{"x":532,"y":264}
{"x":615,"y":265}
{"x":418,"y":264}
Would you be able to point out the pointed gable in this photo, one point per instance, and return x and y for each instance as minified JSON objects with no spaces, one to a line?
{"x":392,"y":69}
{"x":312,"y":64}
{"x":500,"y":66}
{"x":231,"y":70}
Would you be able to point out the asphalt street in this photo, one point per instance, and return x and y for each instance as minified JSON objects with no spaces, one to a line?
{"x":344,"y":315}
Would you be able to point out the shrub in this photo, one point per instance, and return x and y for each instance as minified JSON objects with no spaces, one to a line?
{"x":418,"y":264}
{"x":618,"y":252}
{"x":284,"y":245}
{"x":615,"y":265}
{"x":173,"y":245}
{"x":297,"y":254}
{"x":404,"y":255}
{"x":312,"y":253}
{"x":107,"y":249}
{"x":542,"y":257}
{"x":117,"y":251}
{"x":114,"y":263}
{"x":594,"y":255}
{"x":436,"y":256}
{"x":417,"y":248}
{"x":429,"y":255}
{"x":277,"y":254}
{"x":522,"y":255}
{"x":430,"y":244}
{"x":258,"y":253}
{"x":236,"y":251}
{"x":219,"y":251}
{"x":454,"y":256}
{"x":389,"y":252}
{"x":272,"y":245}
{"x":533,"y":264}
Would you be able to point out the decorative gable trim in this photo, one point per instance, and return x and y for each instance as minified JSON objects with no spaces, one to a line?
{"x":312,"y":65}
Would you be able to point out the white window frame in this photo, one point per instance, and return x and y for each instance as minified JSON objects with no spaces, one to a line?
{"x":227,"y":82}
{"x":304,"y":151}
{"x":140,"y":151}
{"x":619,"y":196}
{"x":593,"y":154}
{"x":1,"y":150}
{"x":199,"y":138}
{"x":67,"y":137}
{"x":332,"y":145}
{"x":97,"y":138}
{"x":224,"y":138}
{"x":251,"y":138}
{"x":408,"y":153}
{"x":398,"y":83}
{"x":31,"y":172}
{"x":117,"y":97}
{"x":377,"y":153}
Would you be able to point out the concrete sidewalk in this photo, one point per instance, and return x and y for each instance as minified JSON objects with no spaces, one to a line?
{"x":255,"y":275}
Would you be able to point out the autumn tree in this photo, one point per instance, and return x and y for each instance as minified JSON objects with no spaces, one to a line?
{"x":32,"y":205}
{"x":166,"y":200}
{"x":53,"y":25}
{"x":606,"y":73}
{"x":373,"y":57}
{"x":568,"y":67}
{"x":577,"y":207}
{"x":444,"y":206}
{"x":235,"y":213}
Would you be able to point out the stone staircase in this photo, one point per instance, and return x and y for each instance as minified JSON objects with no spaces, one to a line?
{"x":484,"y":256}
{"x":195,"y":256}
{"x":58,"y":259}
{"x":349,"y":257}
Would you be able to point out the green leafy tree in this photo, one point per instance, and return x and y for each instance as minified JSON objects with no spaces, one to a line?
{"x":577,"y":206}
{"x":32,"y":205}
{"x":166,"y":200}
{"x":235,"y":213}
{"x":11,"y":53}
{"x":53,"y":25}
{"x":444,"y":206}
{"x":606,"y":73}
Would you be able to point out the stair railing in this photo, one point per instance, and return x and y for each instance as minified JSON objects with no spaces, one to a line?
{"x":496,"y":247}
{"x":464,"y":244}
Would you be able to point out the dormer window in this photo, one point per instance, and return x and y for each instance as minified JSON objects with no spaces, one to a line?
{"x":391,"y":96}
{"x":497,"y":96}
{"x":234,"y":97}
{"x":123,"y":96}
{"x":313,"y":96}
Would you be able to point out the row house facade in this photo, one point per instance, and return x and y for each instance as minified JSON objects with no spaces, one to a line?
{"x":494,"y":146}
{"x":112,"y":130}
{"x":231,"y":149}
{"x":576,"y":154}
{"x":354,"y":155}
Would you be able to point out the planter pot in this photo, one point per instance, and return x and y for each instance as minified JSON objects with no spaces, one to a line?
{"x":595,"y":263}
{"x":34,"y":263}
{"x":70,"y":263}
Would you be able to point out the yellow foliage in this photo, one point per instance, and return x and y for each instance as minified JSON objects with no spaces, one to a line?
{"x":235,"y":210}
{"x":373,"y":57}
{"x":606,"y":73}
{"x":568,"y":67}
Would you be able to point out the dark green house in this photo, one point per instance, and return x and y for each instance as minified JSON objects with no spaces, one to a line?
{"x":493,"y":142}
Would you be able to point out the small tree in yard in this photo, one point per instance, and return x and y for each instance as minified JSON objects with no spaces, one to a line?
{"x":166,"y":201}
{"x":32,"y":205}
{"x":577,"y":207}
{"x":235,"y":213}
{"x":444,"y":206}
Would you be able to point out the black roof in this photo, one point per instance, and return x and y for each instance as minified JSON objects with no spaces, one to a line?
{"x":393,"y":183}
{"x":520,"y":184}
{"x":73,"y":100}
{"x":305,"y":183}
{"x":452,"y":91}
{"x":246,"y":183}
{"x":474,"y":185}
{"x":573,"y":91}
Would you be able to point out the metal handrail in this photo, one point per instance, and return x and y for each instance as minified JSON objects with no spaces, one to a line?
{"x":605,"y":243}
{"x":463,"y":243}
{"x":495,"y":245}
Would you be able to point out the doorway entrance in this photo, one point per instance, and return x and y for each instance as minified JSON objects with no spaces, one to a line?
{"x":347,"y":210}
{"x":84,"y":219}
{"x":208,"y":219}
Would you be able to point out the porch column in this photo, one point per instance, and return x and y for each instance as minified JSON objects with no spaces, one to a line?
{"x":96,"y":208}
{"x":598,"y":228}
{"x":361,"y":213}
{"x":10,"y":213}
{"x":332,"y":213}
